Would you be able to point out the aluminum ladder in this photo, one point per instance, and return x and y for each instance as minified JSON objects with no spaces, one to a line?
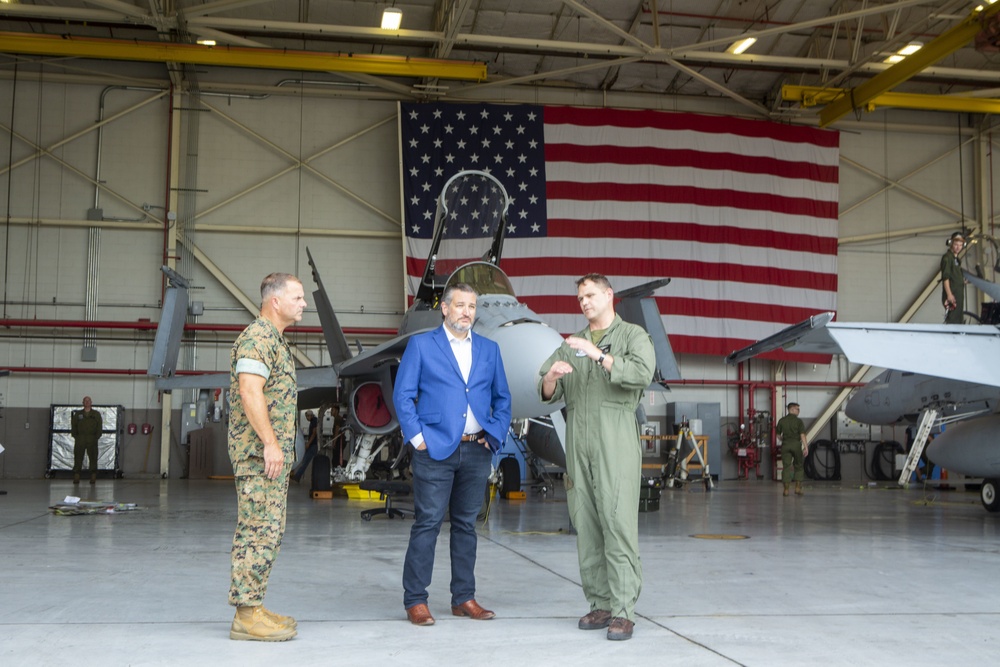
{"x":926,"y":422}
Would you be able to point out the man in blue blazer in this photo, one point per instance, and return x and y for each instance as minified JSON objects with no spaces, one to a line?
{"x":453,"y":406}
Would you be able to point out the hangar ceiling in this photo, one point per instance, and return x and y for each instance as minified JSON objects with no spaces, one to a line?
{"x":654,"y":47}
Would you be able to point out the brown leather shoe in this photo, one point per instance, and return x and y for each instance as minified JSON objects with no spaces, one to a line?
{"x":620,"y":629}
{"x":595,"y":620}
{"x":472,"y":609}
{"x":419,"y":614}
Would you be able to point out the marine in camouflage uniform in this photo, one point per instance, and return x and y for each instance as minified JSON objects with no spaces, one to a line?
{"x":261,"y":486}
{"x":85,"y":426}
{"x":604,"y":456}
{"x":260,"y":349}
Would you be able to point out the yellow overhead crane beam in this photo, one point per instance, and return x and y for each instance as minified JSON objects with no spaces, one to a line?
{"x":239,"y":56}
{"x":809,"y":96}
{"x":946,"y":43}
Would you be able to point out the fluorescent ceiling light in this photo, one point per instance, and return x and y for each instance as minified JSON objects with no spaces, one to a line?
{"x":207,"y":42}
{"x":392,"y":18}
{"x":740,"y":46}
{"x":907,"y":50}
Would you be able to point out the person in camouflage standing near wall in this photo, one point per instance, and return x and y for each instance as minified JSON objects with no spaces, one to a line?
{"x":262,"y":409}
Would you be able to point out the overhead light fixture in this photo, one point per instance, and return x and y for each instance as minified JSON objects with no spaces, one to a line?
{"x":983,"y":4}
{"x":738,"y":47}
{"x":207,"y":42}
{"x":907,"y":50}
{"x":392,"y":18}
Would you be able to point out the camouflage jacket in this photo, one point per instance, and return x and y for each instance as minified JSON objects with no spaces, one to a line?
{"x":261,"y":350}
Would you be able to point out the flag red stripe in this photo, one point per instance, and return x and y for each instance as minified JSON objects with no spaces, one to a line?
{"x":693,"y":232}
{"x":685,"y":194}
{"x":693,"y":122}
{"x":666,"y":157}
{"x":625,"y":266}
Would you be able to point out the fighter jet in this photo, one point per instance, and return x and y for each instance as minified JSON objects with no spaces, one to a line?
{"x":941,"y":374}
{"x":470,"y":222}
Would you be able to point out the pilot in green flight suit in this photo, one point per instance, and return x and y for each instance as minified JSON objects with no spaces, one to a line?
{"x":601,"y":373}
{"x":953,"y":281}
{"x":85,"y":427}
{"x":794,"y":448}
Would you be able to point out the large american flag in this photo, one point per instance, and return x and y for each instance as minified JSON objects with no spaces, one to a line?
{"x":740,"y":214}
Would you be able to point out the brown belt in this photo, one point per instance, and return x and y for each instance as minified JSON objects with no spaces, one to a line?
{"x":473,"y":437}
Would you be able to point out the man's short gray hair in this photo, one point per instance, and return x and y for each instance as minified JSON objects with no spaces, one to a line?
{"x":457,"y":287}
{"x":274,"y":283}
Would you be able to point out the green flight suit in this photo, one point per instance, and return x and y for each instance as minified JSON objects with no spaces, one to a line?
{"x":790,"y":429}
{"x":604,"y":461}
{"x":951,"y":270}
{"x":85,"y":427}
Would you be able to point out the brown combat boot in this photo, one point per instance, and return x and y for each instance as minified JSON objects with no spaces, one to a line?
{"x":786,"y":490}
{"x":283,"y":620}
{"x":798,"y":489}
{"x":254,"y":624}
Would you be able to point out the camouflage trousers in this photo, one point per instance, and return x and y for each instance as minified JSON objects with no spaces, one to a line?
{"x":260,"y":526}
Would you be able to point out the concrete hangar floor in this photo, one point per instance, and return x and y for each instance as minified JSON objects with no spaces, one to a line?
{"x":840,"y":576}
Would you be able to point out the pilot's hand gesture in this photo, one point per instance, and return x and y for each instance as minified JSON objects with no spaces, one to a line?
{"x":558,"y":369}
{"x":585,"y":346}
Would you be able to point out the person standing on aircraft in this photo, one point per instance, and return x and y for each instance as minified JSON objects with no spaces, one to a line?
{"x":794,"y":448}
{"x":952,"y":281}
{"x":262,"y":408}
{"x":454,"y":407}
{"x":601,"y":373}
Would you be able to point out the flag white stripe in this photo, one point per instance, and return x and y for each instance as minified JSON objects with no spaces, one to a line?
{"x":616,"y":248}
{"x":685,"y":288}
{"x":631,"y":174}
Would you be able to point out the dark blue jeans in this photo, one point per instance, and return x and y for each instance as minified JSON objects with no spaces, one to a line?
{"x":307,"y":458}
{"x":456,"y":485}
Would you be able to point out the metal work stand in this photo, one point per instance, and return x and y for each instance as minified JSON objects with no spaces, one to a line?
{"x":677,"y":468}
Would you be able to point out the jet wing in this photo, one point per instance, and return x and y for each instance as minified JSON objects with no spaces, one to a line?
{"x":368,"y":361}
{"x":992,"y":289}
{"x":203,"y":381}
{"x":969,"y":353}
{"x":319,"y":376}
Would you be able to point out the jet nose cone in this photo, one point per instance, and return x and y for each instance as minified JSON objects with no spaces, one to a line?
{"x":524,"y":347}
{"x":856,"y":407}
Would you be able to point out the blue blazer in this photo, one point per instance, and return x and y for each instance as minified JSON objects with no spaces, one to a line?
{"x":430,"y":395}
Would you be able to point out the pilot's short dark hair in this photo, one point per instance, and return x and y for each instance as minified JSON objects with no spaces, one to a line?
{"x":792,"y":405}
{"x":457,"y":287}
{"x":274,"y":283}
{"x":598,"y":279}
